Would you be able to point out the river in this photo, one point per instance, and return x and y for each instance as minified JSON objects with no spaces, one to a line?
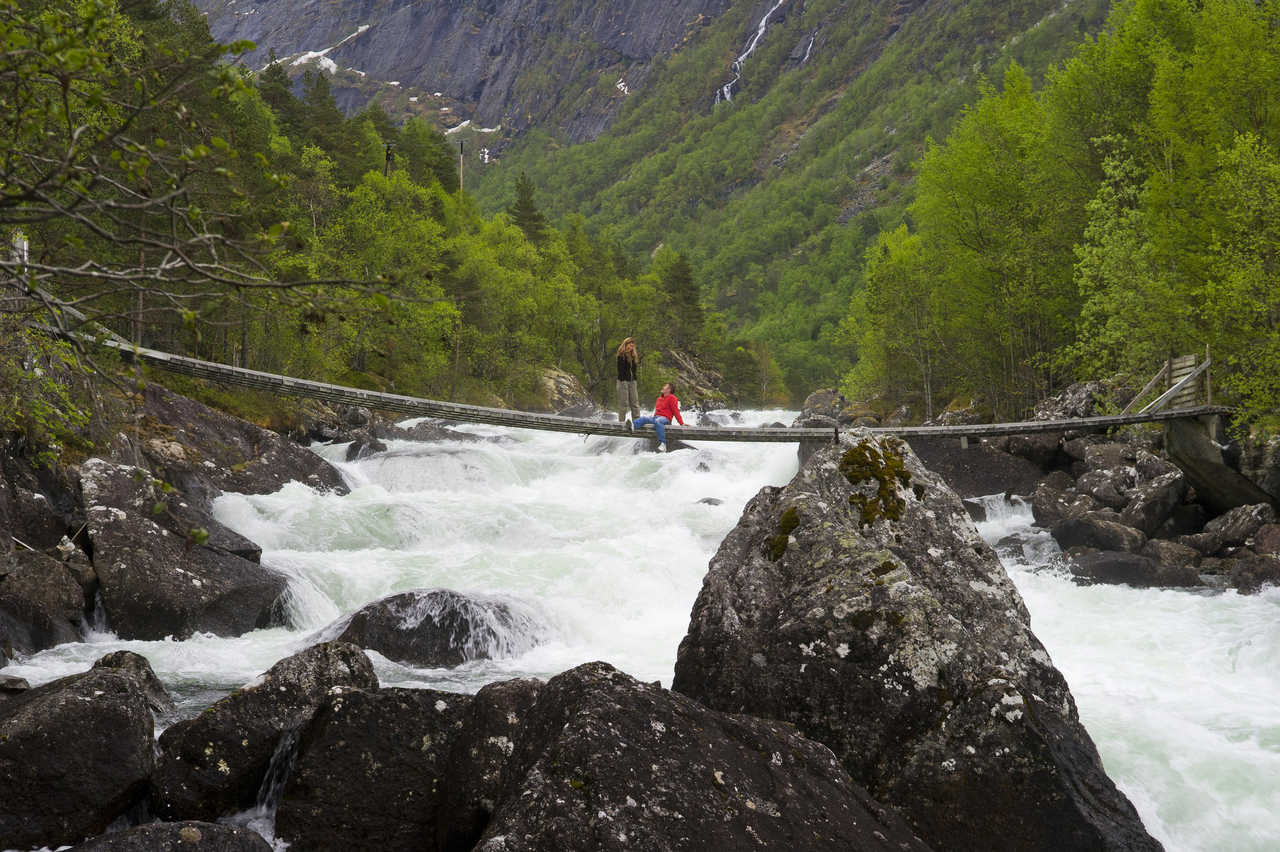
{"x":607,"y":547}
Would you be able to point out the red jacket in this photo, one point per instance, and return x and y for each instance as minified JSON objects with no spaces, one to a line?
{"x":669,"y":407}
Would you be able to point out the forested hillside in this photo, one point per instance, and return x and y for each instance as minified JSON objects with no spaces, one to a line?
{"x":192,"y":206}
{"x":1127,"y":209}
{"x":775,"y":194}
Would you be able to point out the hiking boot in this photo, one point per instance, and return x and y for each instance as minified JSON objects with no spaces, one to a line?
{"x":662,"y":448}
{"x":631,"y":426}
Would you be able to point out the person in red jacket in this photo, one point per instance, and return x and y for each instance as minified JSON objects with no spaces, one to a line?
{"x":665,"y":409}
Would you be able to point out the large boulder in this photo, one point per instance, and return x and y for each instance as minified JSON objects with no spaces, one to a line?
{"x":1133,"y":569}
{"x":562,"y":393}
{"x":213,"y":764}
{"x":859,"y":604}
{"x":591,"y":760}
{"x":191,"y":836}
{"x":1110,"y":487}
{"x":439,"y":628}
{"x":1078,"y":400}
{"x":41,"y":603}
{"x":1237,"y":526}
{"x":1153,"y":503}
{"x":606,"y":762}
{"x":370,"y":771}
{"x":1097,"y":533}
{"x":1260,"y":462}
{"x":156,"y":578}
{"x":1050,"y":505}
{"x":203,"y":452}
{"x":75,"y":754}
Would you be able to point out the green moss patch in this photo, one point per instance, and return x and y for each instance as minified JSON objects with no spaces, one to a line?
{"x":884,"y":470}
{"x":789,"y":520}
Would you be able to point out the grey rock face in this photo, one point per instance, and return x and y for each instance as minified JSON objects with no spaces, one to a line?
{"x":439,"y":628}
{"x":1050,"y":505}
{"x":136,"y":665}
{"x":1078,"y":400}
{"x":475,"y":50}
{"x":156,"y":582}
{"x":605,"y":762}
{"x":886,"y":629}
{"x":1260,"y":462}
{"x":206,"y":452}
{"x":74,"y":755}
{"x":1236,"y":526}
{"x":213,"y":764}
{"x":978,"y":469}
{"x":1095,"y":532}
{"x":189,"y":836}
{"x":1109,"y":487}
{"x":370,"y":771}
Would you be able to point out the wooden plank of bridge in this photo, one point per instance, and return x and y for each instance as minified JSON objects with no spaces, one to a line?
{"x":1179,"y":369}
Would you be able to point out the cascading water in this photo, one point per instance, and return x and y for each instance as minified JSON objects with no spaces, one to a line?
{"x":602,"y":550}
{"x":725,"y":92}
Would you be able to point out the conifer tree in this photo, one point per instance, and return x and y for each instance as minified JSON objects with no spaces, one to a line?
{"x":525,"y":213}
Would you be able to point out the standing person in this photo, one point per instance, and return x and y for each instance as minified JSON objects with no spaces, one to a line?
{"x":628,"y":396}
{"x":665,"y":409}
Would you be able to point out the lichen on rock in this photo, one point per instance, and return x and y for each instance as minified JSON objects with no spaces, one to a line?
{"x":875,"y":471}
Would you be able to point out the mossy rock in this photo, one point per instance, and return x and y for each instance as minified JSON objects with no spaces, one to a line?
{"x":875,"y":475}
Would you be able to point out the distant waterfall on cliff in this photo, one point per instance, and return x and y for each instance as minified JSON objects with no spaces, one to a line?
{"x":725,"y":92}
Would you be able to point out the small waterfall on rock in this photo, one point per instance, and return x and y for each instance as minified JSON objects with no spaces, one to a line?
{"x":725,"y":92}
{"x":262,"y":816}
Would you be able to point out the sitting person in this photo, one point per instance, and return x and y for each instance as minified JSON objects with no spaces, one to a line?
{"x":665,"y":409}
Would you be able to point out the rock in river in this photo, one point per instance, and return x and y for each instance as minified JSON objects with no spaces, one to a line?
{"x":859,"y":604}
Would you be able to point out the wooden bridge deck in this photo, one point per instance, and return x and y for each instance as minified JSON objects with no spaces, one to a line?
{"x":418,"y":407}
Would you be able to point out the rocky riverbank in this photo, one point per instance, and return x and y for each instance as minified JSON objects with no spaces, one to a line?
{"x":858,"y":673}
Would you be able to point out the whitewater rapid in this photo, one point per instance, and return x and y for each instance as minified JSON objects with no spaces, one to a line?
{"x":606,"y":547}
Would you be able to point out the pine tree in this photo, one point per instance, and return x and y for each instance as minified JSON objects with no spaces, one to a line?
{"x":525,"y":213}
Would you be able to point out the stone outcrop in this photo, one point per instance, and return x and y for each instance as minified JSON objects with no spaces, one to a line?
{"x":475,"y":52}
{"x":75,"y":754}
{"x":156,"y":579}
{"x":41,"y":603}
{"x":859,"y":604}
{"x":213,"y":764}
{"x":189,"y":836}
{"x":562,"y":393}
{"x":1134,"y":569}
{"x":440,"y":628}
{"x":593,"y":759}
{"x":203,"y":452}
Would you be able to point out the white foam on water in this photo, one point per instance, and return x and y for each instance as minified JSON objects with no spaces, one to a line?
{"x":1180,"y":691}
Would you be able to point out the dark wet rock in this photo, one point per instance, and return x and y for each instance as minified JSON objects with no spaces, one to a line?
{"x":370,"y":771}
{"x":1267,"y":539}
{"x":137,"y":666}
{"x":1206,"y":544}
{"x":1186,"y":519}
{"x":41,"y":604}
{"x":1050,"y":506}
{"x":440,"y":628}
{"x":480,"y":763}
{"x":1094,"y":531}
{"x":1150,"y":466}
{"x":1250,"y":572}
{"x":1109,"y":487}
{"x":34,"y":520}
{"x":1078,"y":400}
{"x":364,"y":444}
{"x":11,"y":685}
{"x":711,"y":501}
{"x":155,"y":582}
{"x":213,"y":764}
{"x":1076,"y":447}
{"x":827,"y":402}
{"x":1043,"y":449}
{"x":978,"y":469}
{"x":1172,"y":554}
{"x":190,"y":836}
{"x":74,"y":755}
{"x":606,"y":762}
{"x":1132,"y":569}
{"x":1153,"y":503}
{"x":1238,"y":525}
{"x":203,"y":452}
{"x":885,"y":628}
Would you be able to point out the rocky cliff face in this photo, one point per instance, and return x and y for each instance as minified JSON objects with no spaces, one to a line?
{"x":513,"y":63}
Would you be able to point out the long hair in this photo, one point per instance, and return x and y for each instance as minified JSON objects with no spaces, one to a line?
{"x":627,"y":349}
